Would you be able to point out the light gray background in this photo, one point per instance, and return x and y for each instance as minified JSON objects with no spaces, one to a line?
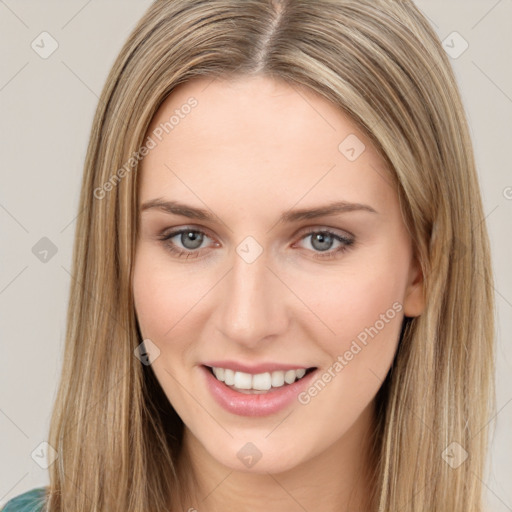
{"x":47,"y":107}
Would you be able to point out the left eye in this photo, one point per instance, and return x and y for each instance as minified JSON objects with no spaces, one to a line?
{"x":322,"y":241}
{"x":192,"y":239}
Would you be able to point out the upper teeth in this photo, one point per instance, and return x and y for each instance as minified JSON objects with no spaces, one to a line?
{"x":259,"y":381}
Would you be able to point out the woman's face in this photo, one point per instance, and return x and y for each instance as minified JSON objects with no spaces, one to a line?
{"x":257,"y":286}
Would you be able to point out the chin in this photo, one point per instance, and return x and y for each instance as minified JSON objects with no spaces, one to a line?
{"x":259,"y":456}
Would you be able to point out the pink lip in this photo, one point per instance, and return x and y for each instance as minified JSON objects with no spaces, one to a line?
{"x":262,"y":404}
{"x":253,"y":369}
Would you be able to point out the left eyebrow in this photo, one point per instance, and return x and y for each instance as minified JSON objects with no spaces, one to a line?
{"x":177,"y":208}
{"x":321,"y":211}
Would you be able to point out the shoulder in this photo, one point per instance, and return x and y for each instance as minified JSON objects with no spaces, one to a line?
{"x":30,"y":501}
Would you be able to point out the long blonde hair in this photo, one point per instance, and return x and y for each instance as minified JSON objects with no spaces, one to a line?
{"x":116,"y":434}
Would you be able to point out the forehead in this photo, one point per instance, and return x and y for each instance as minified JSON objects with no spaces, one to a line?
{"x":256,"y":110}
{"x":257,"y":137}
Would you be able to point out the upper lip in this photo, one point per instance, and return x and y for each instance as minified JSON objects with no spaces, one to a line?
{"x":254,"y":368}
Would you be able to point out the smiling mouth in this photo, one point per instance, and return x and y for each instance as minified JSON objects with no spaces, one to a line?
{"x":258,"y":383}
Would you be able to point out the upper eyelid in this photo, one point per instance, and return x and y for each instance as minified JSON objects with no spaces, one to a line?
{"x":171,"y":233}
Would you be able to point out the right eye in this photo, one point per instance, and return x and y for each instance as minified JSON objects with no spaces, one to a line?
{"x":190,"y":240}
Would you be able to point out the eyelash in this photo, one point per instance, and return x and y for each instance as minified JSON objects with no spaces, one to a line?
{"x":347,"y":243}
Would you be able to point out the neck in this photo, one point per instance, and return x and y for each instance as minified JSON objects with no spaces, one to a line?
{"x":337,"y":479}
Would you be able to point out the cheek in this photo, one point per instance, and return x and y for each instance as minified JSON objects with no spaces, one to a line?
{"x":362,"y":310}
{"x":365,"y":312}
{"x":367,"y":305}
{"x":154,"y":295}
{"x":166,"y":300}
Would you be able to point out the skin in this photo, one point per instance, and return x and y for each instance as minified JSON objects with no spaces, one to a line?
{"x":250,"y":150}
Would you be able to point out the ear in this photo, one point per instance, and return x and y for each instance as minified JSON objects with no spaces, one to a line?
{"x":414,"y":300}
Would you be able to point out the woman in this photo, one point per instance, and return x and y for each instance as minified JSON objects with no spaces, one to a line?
{"x":282,"y":289}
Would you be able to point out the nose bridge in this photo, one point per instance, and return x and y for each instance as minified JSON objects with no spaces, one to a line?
{"x":251,"y":304}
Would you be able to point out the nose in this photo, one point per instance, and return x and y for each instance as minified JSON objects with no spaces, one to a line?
{"x":252,"y":303}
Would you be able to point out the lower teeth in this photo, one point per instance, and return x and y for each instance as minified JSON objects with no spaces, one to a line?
{"x":251,"y":391}
{"x":255,"y":391}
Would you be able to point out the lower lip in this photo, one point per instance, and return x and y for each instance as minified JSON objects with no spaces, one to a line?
{"x":261,"y":404}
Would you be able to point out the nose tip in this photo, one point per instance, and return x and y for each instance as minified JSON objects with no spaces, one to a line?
{"x":251,"y":306}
